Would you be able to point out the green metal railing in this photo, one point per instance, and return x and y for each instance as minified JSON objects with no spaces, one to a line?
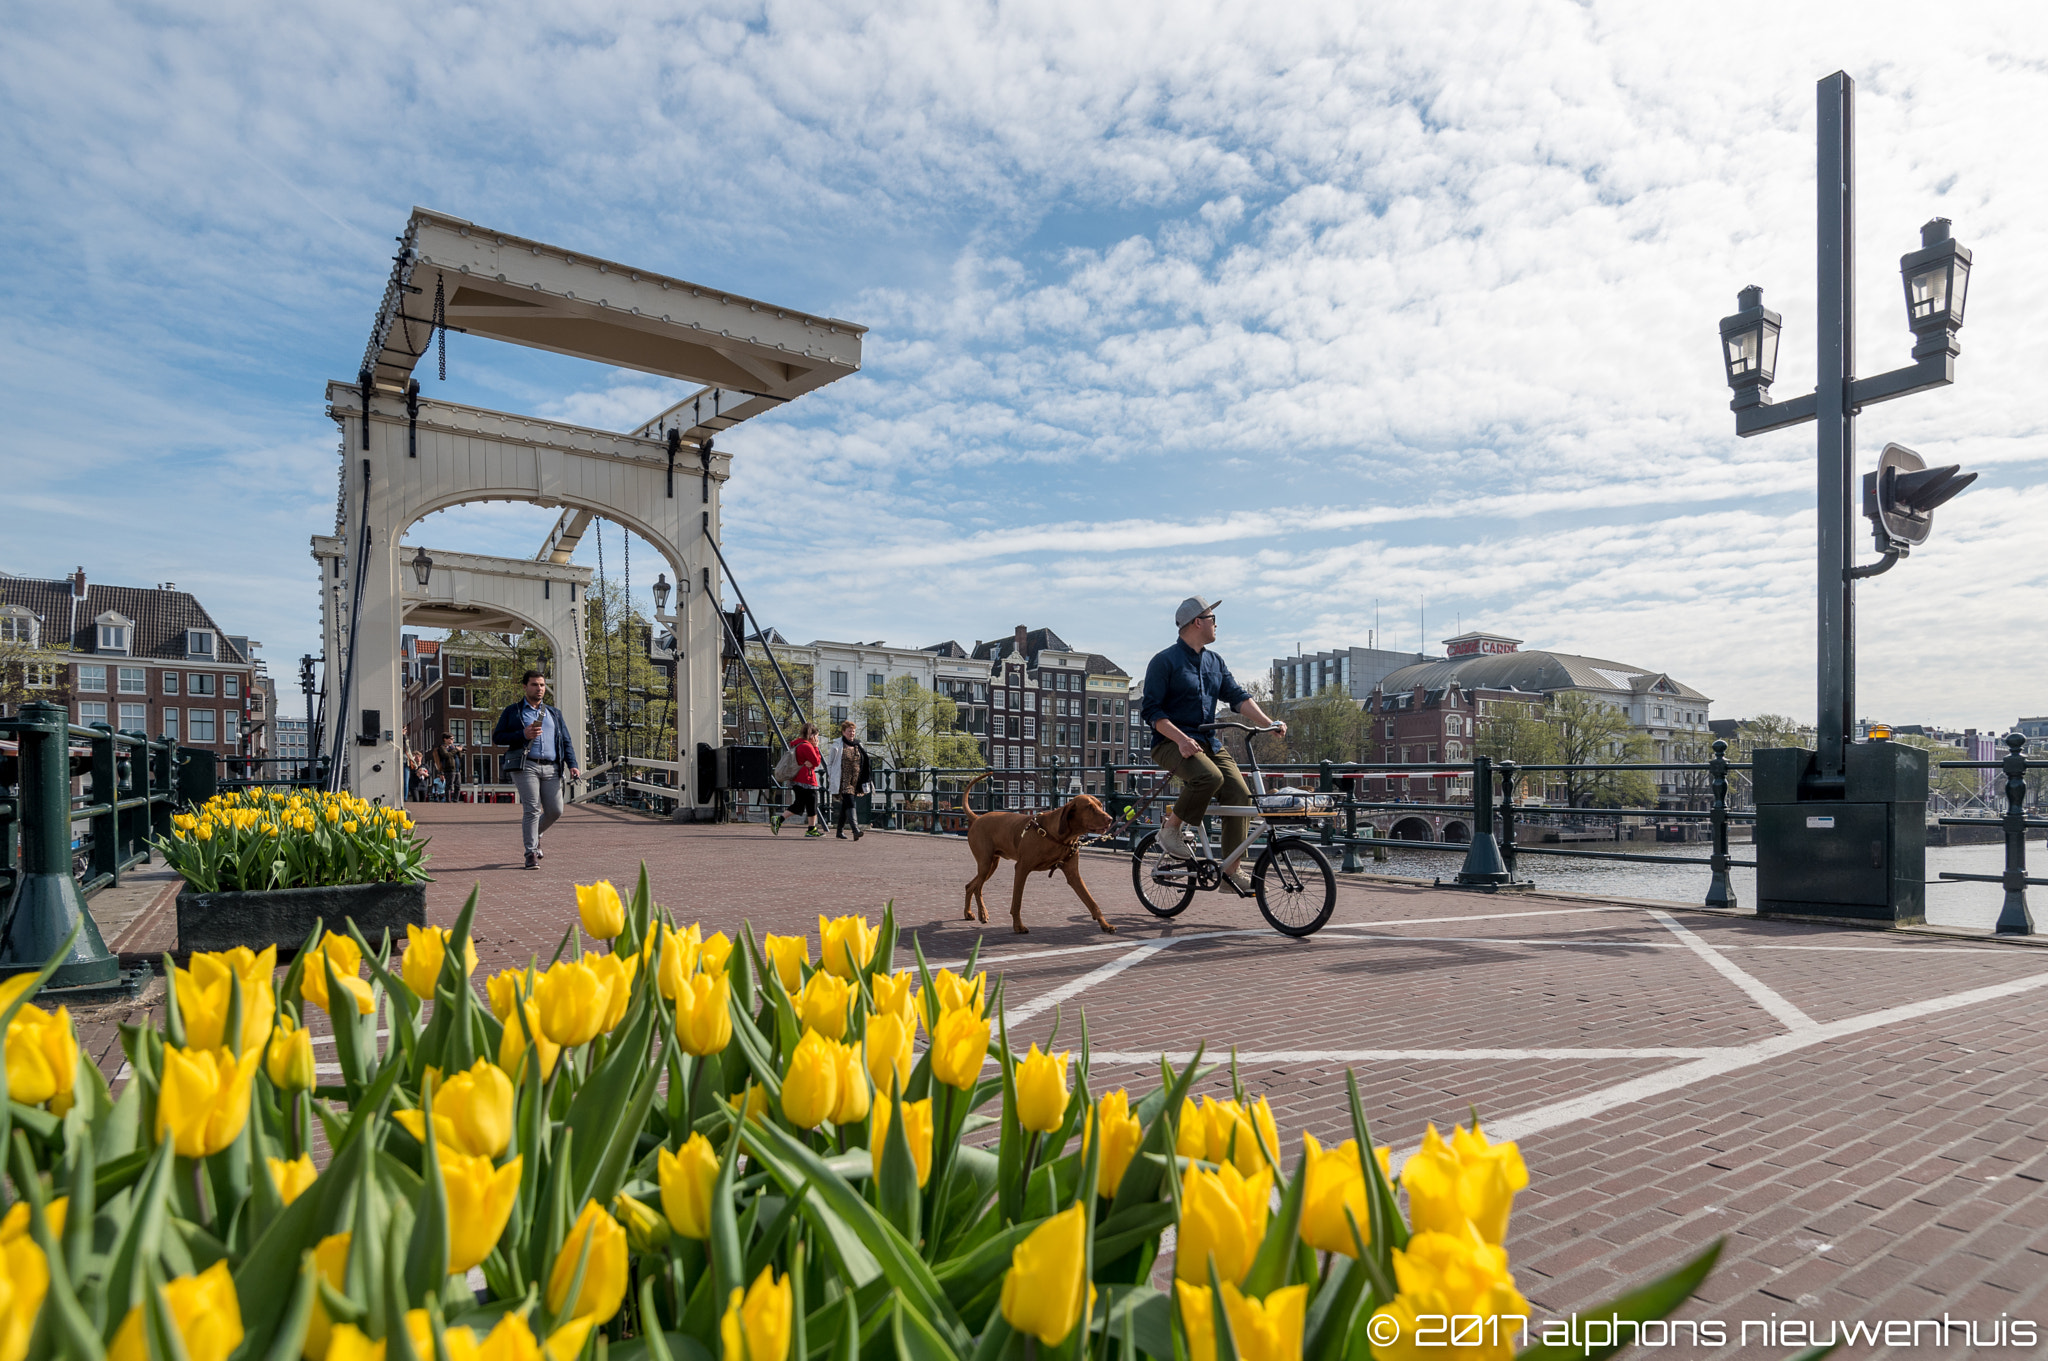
{"x":2014,"y":919}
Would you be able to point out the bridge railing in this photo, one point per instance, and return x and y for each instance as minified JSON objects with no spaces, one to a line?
{"x":50,"y":825}
{"x":2014,"y":918}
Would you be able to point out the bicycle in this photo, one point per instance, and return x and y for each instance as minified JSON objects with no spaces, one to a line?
{"x":1286,"y":876}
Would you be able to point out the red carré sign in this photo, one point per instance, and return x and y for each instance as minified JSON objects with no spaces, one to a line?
{"x":1480,"y":647}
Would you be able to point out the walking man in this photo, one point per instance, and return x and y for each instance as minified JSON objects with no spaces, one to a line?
{"x":1182,"y":685}
{"x":537,"y":752}
{"x":448,"y":760}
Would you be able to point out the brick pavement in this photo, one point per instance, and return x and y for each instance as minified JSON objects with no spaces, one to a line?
{"x":1859,"y":1171}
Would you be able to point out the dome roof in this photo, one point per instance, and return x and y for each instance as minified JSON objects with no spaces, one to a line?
{"x":1536,"y":672}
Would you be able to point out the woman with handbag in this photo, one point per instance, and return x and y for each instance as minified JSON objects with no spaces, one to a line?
{"x":846,"y":762}
{"x":802,"y":760}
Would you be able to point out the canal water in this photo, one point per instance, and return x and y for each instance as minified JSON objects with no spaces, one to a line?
{"x":1949,"y":902}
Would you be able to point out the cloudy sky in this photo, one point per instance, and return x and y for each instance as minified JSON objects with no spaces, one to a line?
{"x":1346,"y":313}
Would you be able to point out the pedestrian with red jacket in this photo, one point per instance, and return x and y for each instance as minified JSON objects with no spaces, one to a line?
{"x":804,"y":785}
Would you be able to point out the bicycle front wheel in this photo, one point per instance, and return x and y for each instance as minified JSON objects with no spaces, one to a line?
{"x":1165,"y":883}
{"x":1295,"y":886}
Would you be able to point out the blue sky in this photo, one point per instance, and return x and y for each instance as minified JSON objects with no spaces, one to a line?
{"x":1310,"y":307}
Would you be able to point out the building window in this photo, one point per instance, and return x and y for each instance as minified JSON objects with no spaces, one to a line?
{"x":454,"y":665}
{"x":839,"y":713}
{"x":480,"y":668}
{"x":231,"y":687}
{"x":134,"y":717}
{"x":199,"y":643}
{"x":202,"y":726}
{"x":17,"y":628}
{"x":459,"y":730}
{"x":171,"y":724}
{"x":170,"y":682}
{"x":1120,"y":732}
{"x":113,"y":637}
{"x":91,"y":711}
{"x":40,"y":675}
{"x":839,"y":683}
{"x":230,"y":727}
{"x":92,"y":678}
{"x":875,"y":679}
{"x":198,"y":683}
{"x":458,"y":698}
{"x":481,"y":766}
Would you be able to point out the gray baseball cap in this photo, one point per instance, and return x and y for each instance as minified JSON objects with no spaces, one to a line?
{"x":1191,"y":609}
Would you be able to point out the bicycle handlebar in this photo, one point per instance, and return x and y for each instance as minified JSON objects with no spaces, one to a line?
{"x":1212,"y":727}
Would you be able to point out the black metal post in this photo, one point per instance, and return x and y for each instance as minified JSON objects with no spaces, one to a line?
{"x":1352,"y":864}
{"x":1835,"y":419}
{"x":105,"y":792}
{"x":1483,"y":865}
{"x":1326,"y":782}
{"x":1507,"y":814}
{"x":1719,"y":892}
{"x":47,"y":903}
{"x":2013,"y":917}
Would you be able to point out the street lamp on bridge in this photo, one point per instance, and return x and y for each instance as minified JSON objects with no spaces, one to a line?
{"x":1841,"y":831}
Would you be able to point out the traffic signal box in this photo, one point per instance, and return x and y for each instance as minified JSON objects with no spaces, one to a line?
{"x":1851,"y":849}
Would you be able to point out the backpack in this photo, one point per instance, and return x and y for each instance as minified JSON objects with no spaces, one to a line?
{"x":785,"y":768}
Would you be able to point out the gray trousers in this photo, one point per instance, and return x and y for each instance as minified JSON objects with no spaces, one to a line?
{"x":540,"y":799}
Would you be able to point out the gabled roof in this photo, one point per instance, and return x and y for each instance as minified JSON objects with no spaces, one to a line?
{"x":1035,"y":642}
{"x":160,"y":616}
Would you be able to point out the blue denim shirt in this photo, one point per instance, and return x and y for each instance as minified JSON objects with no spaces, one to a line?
{"x":542,"y":748}
{"x":1183,"y":685}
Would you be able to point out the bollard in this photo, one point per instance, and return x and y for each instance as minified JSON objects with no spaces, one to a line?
{"x":1352,"y":864}
{"x":1720,"y":893}
{"x":1507,"y":813}
{"x":47,"y":903}
{"x":2013,"y":917}
{"x":1483,"y":864}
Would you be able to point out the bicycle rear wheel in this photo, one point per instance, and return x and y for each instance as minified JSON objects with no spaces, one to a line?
{"x":1295,"y":886}
{"x":1162,"y":897}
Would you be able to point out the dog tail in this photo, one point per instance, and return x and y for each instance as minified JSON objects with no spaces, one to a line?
{"x":966,"y":806}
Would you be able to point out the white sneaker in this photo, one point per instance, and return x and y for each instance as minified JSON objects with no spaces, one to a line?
{"x":1237,"y":875}
{"x":1173,"y":840}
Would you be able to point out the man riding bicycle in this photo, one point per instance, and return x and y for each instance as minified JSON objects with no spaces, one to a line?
{"x":1182,"y":685}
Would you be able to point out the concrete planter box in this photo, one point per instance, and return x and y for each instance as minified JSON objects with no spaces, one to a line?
{"x":282,"y":917}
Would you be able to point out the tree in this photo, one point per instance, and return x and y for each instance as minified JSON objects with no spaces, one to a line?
{"x":1589,"y":731}
{"x":1328,"y":726}
{"x":746,"y":721}
{"x":911,"y":727}
{"x":1765,"y":731}
{"x":26,"y":672}
{"x":1518,"y":732}
{"x":1957,"y":786}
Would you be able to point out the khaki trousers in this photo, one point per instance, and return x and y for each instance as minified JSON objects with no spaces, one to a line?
{"x":1205,"y":779}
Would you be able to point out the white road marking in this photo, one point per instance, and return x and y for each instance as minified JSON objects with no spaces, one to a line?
{"x":1076,"y":986}
{"x":1544,"y":1118}
{"x":1765,"y":996}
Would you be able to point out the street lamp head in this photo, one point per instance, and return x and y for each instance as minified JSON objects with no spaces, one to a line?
{"x":661,"y":590}
{"x":422,"y":567}
{"x":1749,"y":346}
{"x":1937,"y":279}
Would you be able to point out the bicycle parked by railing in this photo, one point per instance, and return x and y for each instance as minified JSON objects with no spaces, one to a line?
{"x":1291,"y":880}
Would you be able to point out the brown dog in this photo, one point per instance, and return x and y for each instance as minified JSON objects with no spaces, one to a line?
{"x":1036,"y":841}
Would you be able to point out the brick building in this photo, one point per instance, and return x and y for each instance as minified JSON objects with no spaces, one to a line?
{"x":1049,"y":716}
{"x":448,"y":689}
{"x":141,"y":659}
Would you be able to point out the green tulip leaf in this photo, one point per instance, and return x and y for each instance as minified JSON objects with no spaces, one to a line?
{"x":916,"y":1339}
{"x":1656,"y":1300}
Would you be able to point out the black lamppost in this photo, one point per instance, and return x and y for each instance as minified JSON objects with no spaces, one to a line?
{"x":1899,"y":499}
{"x":422,"y":567}
{"x":661,"y":590}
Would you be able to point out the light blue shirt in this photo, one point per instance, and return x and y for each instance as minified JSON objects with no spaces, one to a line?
{"x":542,"y":748}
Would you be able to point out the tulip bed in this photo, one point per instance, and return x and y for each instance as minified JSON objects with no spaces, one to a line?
{"x":680,"y":1148}
{"x":258,"y":839}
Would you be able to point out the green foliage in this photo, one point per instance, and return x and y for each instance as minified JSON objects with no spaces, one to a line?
{"x":1329,"y":726}
{"x":260,"y":839}
{"x":1589,"y":731}
{"x":910,"y":727}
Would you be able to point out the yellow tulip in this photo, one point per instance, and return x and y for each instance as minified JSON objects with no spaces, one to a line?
{"x":349,"y":827}
{"x":679,"y":951}
{"x":1045,"y":1286}
{"x":917,"y":1132}
{"x":480,"y":1199}
{"x":616,"y":972}
{"x":895,"y":995}
{"x":810,"y":1088}
{"x":1264,"y":1330}
{"x":347,"y":959}
{"x":598,"y":904}
{"x":687,"y":1177}
{"x":845,"y":945}
{"x":513,"y":1340}
{"x":788,"y":955}
{"x":203,"y":990}
{"x":1336,"y":1182}
{"x":330,"y":1259}
{"x":823,"y":1003}
{"x":646,"y":1231}
{"x":1448,"y":1274}
{"x":290,"y":1058}
{"x":1042,"y":1090}
{"x":512,"y":1044}
{"x":203,"y":1098}
{"x":1231,"y":1134}
{"x":750,"y":1104}
{"x":959,"y":1048}
{"x":42,"y":1051}
{"x":425,"y":950}
{"x":24,"y":1281}
{"x":713,"y":954}
{"x":1468,"y":1180}
{"x":505,"y":988}
{"x":574,"y":999}
{"x":704,"y":1014}
{"x":472,"y":1112}
{"x":564,"y":1343}
{"x":204,"y":831}
{"x":950,"y":992}
{"x":890,"y":1055}
{"x":756,"y":1325}
{"x":1121,"y":1138}
{"x":203,"y":1308}
{"x":851,"y":1105}
{"x":350,"y":1343}
{"x":1222,"y":1215}
{"x":14,"y":1225}
{"x":293,"y":1177}
{"x":604,"y":1276}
